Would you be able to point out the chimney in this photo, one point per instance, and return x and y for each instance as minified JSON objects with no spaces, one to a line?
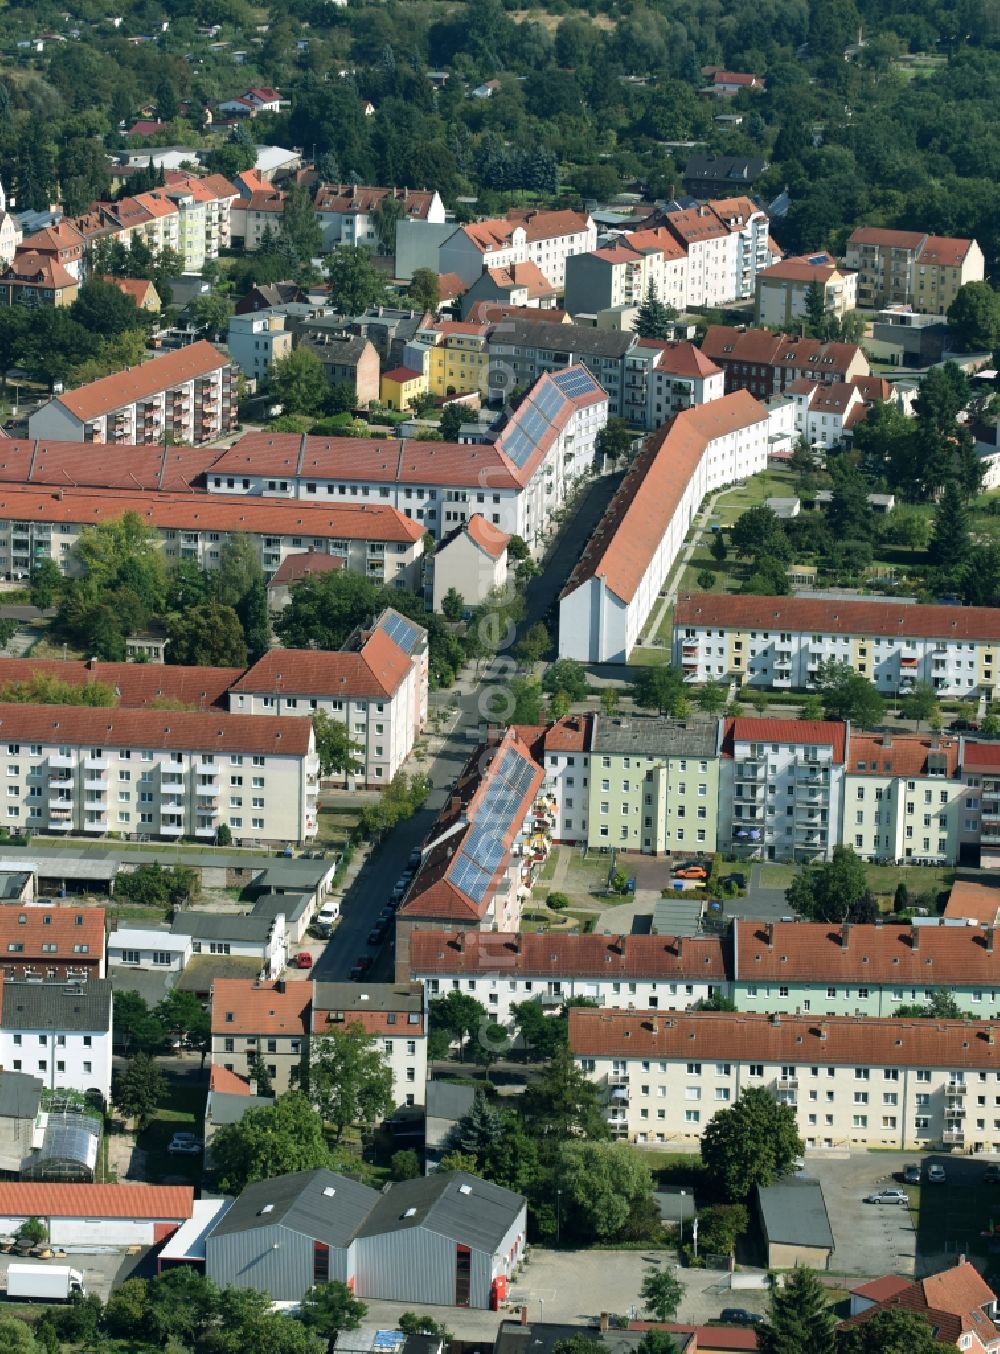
{"x":91,"y":664}
{"x":887,"y":740}
{"x":605,"y":1323}
{"x":456,"y":803}
{"x":460,"y":942}
{"x":524,"y":1315}
{"x":822,"y":1029}
{"x":680,"y":946}
{"x":990,"y":931}
{"x":845,"y":936}
{"x":279,"y":986}
{"x":774,"y":1018}
{"x":654,"y":1026}
{"x":770,"y":935}
{"x":914,"y":937}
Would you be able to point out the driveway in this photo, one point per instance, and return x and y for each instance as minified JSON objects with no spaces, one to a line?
{"x":868,"y":1239}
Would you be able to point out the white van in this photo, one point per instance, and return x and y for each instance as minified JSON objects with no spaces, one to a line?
{"x":328,"y":916}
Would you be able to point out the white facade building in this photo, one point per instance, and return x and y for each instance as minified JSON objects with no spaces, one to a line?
{"x":144,"y":947}
{"x":59,"y":1032}
{"x":345,"y":212}
{"x":614,"y":587}
{"x":546,"y":239}
{"x":393,"y":1014}
{"x":472,"y":560}
{"x":256,"y":342}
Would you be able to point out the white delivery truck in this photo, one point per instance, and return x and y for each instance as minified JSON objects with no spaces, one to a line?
{"x":43,"y":1283}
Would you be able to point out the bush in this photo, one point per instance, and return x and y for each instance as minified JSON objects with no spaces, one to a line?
{"x":558,"y":901}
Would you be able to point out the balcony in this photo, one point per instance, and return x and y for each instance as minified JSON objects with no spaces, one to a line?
{"x":171,"y":829}
{"x":62,"y":823}
{"x":210,"y":791}
{"x":953,"y":1136}
{"x":206,"y":831}
{"x":61,"y":801}
{"x":751,"y":771}
{"x":787,"y":1083}
{"x":95,"y":823}
{"x":58,"y":762}
{"x":171,"y":778}
{"x":95,"y":783}
{"x":955,"y":1088}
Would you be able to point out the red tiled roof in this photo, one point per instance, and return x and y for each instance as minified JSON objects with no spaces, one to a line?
{"x":800,"y":268}
{"x":353,"y":199}
{"x":633,"y":526}
{"x":24,"y":1199}
{"x":377,"y":670}
{"x":841,"y":1040}
{"x":402,"y":374}
{"x":568,"y":956}
{"x":734,"y":78}
{"x":974,"y":901}
{"x":213,"y":512}
{"x":39,"y":270}
{"x":572,"y":733}
{"x":982,"y":756}
{"x":657,"y":238}
{"x":61,"y":238}
{"x":838,"y":617}
{"x":451,"y":285}
{"x":800,"y":732}
{"x":758,"y":346}
{"x":260,"y":1008}
{"x":527,"y":274}
{"x":136,"y":287}
{"x":901,"y":755}
{"x":137,"y":684}
{"x":542,"y":225}
{"x":880,"y":1289}
{"x":227,"y":1083}
{"x":266,"y":200}
{"x":908,"y":956}
{"x":490,"y":539}
{"x":64,"y":927}
{"x":681,"y":358}
{"x":714,"y":1338}
{"x":951,"y":1300}
{"x":735,"y":211}
{"x":495,"y":312}
{"x":887,"y":239}
{"x":372,"y":1022}
{"x":138,"y":383}
{"x":103,"y":466}
{"x":944,"y":252}
{"x":695,"y":224}
{"x":184,"y":729}
{"x":296,"y":567}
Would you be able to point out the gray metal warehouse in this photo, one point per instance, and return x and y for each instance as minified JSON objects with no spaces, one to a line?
{"x":449,"y":1239}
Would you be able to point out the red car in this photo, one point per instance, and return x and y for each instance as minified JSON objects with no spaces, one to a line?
{"x":361,"y":966}
{"x":304,"y":959}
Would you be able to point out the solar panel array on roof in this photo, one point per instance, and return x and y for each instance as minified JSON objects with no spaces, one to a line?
{"x":576,"y":382}
{"x":401,"y":631}
{"x":548,"y":400}
{"x":483,"y":848}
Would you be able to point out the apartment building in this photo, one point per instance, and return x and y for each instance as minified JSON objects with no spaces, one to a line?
{"x":803,"y":968}
{"x":563,"y":749}
{"x":377,"y":541}
{"x":780,"y":641}
{"x":453,"y":356}
{"x":680,"y":376}
{"x":523,"y":285}
{"x":393,"y":1014}
{"x":826,"y":413}
{"x":706,"y":178}
{"x":347,"y":360}
{"x":782,"y":290}
{"x":162,"y":774}
{"x":908,"y":267}
{"x":269,"y":1020}
{"x":346,"y":212}
{"x":59,"y":1032}
{"x":376,"y":687}
{"x":525,"y":235}
{"x":472,"y":560}
{"x":752,"y":253}
{"x":33,"y":280}
{"x":903,"y":797}
{"x":626,"y":972}
{"x":522,"y":351}
{"x":44,"y":941}
{"x":854,"y":1082}
{"x":781,"y":788}
{"x":61,"y":242}
{"x":612,"y":590}
{"x":766,"y":363}
{"x":256,"y":216}
{"x":189,"y":395}
{"x":477,"y":864}
{"x":654,"y":785}
{"x":256,"y":342}
{"x":980,"y":822}
{"x":516,"y":482}
{"x":622,"y":271}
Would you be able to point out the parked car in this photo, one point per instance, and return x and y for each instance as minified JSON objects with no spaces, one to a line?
{"x":963,"y":726}
{"x":303,"y":959}
{"x":738,"y":881}
{"x":935,"y":1174}
{"x":691,"y":872}
{"x":184,"y":1145}
{"x":739,"y":1316}
{"x":888,"y":1196}
{"x":911,"y":1174}
{"x":361,"y":966}
{"x":375,"y":935}
{"x":991,"y":1176}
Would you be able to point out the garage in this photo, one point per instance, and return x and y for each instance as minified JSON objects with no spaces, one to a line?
{"x":80,"y":1215}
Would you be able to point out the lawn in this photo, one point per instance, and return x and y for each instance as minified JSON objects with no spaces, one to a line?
{"x":335,"y":825}
{"x":882,"y":879}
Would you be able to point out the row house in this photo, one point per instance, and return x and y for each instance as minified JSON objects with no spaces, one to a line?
{"x":189,"y":395}
{"x":767,"y":364}
{"x":393,"y":1014}
{"x":453,"y":357}
{"x":34,"y":280}
{"x":478,"y":863}
{"x":347,"y":212}
{"x":265,"y":1019}
{"x":378,"y":541}
{"x":614,"y":587}
{"x":904,"y":799}
{"x":72,"y":770}
{"x":58,"y":1032}
{"x":783,"y":289}
{"x":376,"y":687}
{"x":781,"y":788}
{"x":827,"y":412}
{"x":516,"y":483}
{"x":854,"y":1082}
{"x":803,"y":968}
{"x":621,"y":273}
{"x":545,"y":238}
{"x":908,"y":267}
{"x":780,"y":642}
{"x":44,"y":941}
{"x":626,"y":972}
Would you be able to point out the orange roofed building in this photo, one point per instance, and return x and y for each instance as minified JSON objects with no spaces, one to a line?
{"x":265,"y":1019}
{"x":189,"y":394}
{"x":957,"y":1303}
{"x":394,"y":1014}
{"x":613,"y":589}
{"x":524,"y":235}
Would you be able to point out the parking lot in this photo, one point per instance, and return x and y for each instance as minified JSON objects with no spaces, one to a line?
{"x":99,"y":1271}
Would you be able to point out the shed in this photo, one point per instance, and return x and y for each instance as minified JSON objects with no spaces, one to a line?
{"x":187,"y":1245}
{"x":20,"y":1096}
{"x":785,"y":507}
{"x":102,"y":1215}
{"x":795,"y":1224}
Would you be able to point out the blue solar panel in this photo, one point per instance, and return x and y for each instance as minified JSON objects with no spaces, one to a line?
{"x":549,"y":400}
{"x":575,"y":382}
{"x":483,"y":849}
{"x":401,"y":632}
{"x":516,"y":444}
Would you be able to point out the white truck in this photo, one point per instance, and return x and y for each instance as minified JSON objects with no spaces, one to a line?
{"x":43,"y":1283}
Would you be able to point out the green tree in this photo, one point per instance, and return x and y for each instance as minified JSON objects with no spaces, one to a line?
{"x":138,"y":1088}
{"x":157,"y":885}
{"x":661,"y":1293}
{"x":41,"y":689}
{"x":974,"y":318}
{"x":615,"y":440}
{"x":298,"y":383}
{"x":950,"y":540}
{"x":355,"y":282}
{"x":751,"y":1143}
{"x":758,"y":534}
{"x":540,"y":1034}
{"x":126,"y":1314}
{"x":654,"y":318}
{"x":718,"y":1001}
{"x":456,"y":1017}
{"x":817,"y":318}
{"x":300,"y":227}
{"x":336,"y":749}
{"x":579,"y":1344}
{"x":350,"y":1082}
{"x":425,"y":294}
{"x":830,"y":892}
{"x":534,"y":645}
{"x":103,"y":309}
{"x":384,"y":217}
{"x":800,"y":1317}
{"x":136,"y":1028}
{"x":718,"y":547}
{"x":270,"y":1140}
{"x":477,"y":1131}
{"x":254,"y":616}
{"x":325,"y":609}
{"x":705,"y":580}
{"x":609,"y":701}
{"x":889,"y":1331}
{"x":46,"y":584}
{"x":941,"y":1005}
{"x":607,"y":1192}
{"x":849,"y":516}
{"x":182,"y":1015}
{"x":405,"y":1165}
{"x":206,"y":636}
{"x":330,"y":1308}
{"x":258,"y":1075}
{"x":848,"y":695}
{"x":452,"y":418}
{"x":566,"y":674}
{"x":563,"y":1102}
{"x":210,"y":314}
{"x":453,"y":605}
{"x":657,"y":1342}
{"x":711,"y":698}
{"x":661,"y":689}
{"x":517,"y":549}
{"x":811,"y":708}
{"x":920,"y":703}
{"x":16,"y":1337}
{"x":420,"y":1323}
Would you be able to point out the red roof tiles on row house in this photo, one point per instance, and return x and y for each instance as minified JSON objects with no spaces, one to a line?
{"x":839,"y":616}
